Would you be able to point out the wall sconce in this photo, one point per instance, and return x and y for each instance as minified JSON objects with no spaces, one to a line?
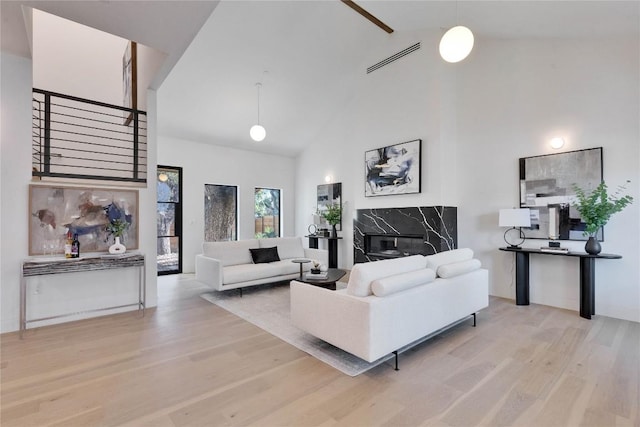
{"x":328,"y":179}
{"x":556,"y":143}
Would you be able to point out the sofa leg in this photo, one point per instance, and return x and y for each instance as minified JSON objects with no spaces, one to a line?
{"x":395,"y":353}
{"x":474,"y":319}
{"x":240,"y":289}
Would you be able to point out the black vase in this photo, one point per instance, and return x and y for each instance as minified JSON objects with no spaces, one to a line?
{"x":593,"y":246}
{"x":334,"y":232}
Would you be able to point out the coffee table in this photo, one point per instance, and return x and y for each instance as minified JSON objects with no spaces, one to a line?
{"x":329,"y":282}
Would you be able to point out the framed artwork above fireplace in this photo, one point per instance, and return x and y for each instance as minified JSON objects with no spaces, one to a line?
{"x":394,"y":169}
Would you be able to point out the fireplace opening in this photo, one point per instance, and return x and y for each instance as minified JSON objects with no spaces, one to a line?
{"x":390,"y":246}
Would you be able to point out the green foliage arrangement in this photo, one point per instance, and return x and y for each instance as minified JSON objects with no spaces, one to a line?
{"x":332,"y":214}
{"x":117,"y":227}
{"x":597,"y":207}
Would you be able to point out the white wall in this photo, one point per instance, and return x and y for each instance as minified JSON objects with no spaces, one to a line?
{"x":49,"y":295}
{"x":512,"y":99}
{"x":210,"y":164}
{"x":476,"y":118}
{"x":15,"y":110}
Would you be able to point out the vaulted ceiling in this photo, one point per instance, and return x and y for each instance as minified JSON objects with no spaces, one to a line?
{"x":308,"y":54}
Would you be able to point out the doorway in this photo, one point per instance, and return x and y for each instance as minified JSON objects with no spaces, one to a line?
{"x":169,"y":220}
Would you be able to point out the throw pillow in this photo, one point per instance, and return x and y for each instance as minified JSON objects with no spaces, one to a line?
{"x":457,"y":268}
{"x":264,"y":255}
{"x":400,"y":282}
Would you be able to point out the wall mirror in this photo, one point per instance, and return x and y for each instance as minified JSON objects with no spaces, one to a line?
{"x":546,"y":188}
{"x":329,"y":194}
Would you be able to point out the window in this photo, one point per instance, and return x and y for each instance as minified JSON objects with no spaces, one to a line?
{"x":169,"y":220}
{"x":220,"y":212}
{"x":267,"y":213}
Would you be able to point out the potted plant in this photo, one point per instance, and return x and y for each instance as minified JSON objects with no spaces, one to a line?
{"x":117,"y":227}
{"x":333,"y":214}
{"x":596,"y":208}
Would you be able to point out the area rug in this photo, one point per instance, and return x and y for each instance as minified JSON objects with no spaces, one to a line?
{"x":267,"y":307}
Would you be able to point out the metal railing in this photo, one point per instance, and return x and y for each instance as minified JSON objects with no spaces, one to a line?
{"x":79,"y":138}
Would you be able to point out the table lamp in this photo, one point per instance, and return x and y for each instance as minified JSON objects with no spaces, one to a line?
{"x":514,"y":218}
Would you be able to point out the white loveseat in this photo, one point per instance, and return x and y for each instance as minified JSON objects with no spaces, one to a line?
{"x":391,"y":303}
{"x":229,"y":265}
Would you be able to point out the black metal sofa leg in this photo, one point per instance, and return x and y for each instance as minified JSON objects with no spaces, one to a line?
{"x":474,"y":319}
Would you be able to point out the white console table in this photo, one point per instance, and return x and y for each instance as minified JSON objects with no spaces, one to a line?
{"x":44,"y":266}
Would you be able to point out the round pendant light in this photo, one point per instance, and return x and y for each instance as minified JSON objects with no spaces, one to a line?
{"x":257,"y":133}
{"x":456,"y":44}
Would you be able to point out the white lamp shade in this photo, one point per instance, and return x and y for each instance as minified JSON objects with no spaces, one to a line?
{"x":257,"y":133}
{"x":515,"y":218}
{"x":456,"y":44}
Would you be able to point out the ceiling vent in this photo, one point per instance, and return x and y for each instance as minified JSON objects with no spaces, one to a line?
{"x":393,"y":58}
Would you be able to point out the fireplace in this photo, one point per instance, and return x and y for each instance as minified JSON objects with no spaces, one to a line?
{"x":398,"y":232}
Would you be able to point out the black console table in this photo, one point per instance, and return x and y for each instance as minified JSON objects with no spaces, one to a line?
{"x":333,"y":248}
{"x":587,"y":276}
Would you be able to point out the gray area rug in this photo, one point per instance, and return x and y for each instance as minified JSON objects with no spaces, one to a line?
{"x":268,"y":307}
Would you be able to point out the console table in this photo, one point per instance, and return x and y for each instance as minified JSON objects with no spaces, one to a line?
{"x":333,"y":248}
{"x":43,"y":266}
{"x":587,"y":276}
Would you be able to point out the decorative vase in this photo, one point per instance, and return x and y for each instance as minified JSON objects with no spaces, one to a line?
{"x":593,"y":246}
{"x":323,"y":268}
{"x":117,"y":247}
{"x":334,"y":232}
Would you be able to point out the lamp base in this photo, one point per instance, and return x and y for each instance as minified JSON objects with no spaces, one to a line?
{"x":511,"y":241}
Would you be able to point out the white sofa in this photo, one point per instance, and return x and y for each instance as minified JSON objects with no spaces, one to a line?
{"x":391,"y":303}
{"x":229,"y":265}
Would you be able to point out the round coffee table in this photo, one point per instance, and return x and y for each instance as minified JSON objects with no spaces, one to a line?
{"x":329,"y":282}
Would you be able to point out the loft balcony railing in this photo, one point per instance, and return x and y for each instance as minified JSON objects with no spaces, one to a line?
{"x":84,"y":139}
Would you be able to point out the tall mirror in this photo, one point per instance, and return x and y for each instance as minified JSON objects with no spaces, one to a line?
{"x":329,"y":194}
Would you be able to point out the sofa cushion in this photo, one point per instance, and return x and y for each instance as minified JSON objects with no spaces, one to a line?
{"x":288,"y":247}
{"x":447,"y":257}
{"x":400,"y":282}
{"x":363,"y":274}
{"x":457,"y":268}
{"x":230,"y":252}
{"x":264,"y":255}
{"x":247,"y":272}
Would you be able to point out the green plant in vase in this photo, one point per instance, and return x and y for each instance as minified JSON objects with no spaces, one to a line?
{"x":116,"y":228}
{"x":596,"y":208}
{"x":332,"y":214}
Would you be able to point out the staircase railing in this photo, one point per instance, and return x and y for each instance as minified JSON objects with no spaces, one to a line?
{"x":79,"y":138}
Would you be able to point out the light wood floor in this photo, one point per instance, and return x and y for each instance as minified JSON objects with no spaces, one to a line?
{"x":191,"y":363}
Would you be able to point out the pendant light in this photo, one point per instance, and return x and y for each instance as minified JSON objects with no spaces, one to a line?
{"x":258,"y":132}
{"x":456,"y":43}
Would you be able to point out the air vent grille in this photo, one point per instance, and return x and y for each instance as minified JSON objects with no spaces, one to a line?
{"x":393,"y":58}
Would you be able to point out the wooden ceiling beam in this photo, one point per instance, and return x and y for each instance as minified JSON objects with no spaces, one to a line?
{"x":367,"y":15}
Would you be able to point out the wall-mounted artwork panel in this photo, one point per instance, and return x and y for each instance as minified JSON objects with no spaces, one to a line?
{"x":220,"y":212}
{"x":55,"y":210}
{"x":546,"y":188}
{"x":394,"y":169}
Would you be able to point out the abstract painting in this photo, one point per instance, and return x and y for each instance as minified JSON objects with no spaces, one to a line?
{"x":546,"y":188}
{"x":220,"y":212}
{"x":56,"y":210}
{"x":395,"y":169}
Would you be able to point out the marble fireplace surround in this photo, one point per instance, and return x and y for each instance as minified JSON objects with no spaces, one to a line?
{"x":394,"y":232}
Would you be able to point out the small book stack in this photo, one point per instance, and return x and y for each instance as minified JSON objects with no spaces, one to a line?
{"x":317,"y":276}
{"x":554,"y":249}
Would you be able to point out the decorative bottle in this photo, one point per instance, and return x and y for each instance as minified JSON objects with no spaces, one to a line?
{"x":67,"y":245}
{"x":75,"y":247}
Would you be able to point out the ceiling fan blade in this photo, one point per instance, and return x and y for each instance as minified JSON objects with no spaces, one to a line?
{"x":367,"y":15}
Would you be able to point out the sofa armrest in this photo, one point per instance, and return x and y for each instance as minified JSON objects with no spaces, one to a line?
{"x":333,"y":316}
{"x":209,"y":271}
{"x":321,"y":255}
